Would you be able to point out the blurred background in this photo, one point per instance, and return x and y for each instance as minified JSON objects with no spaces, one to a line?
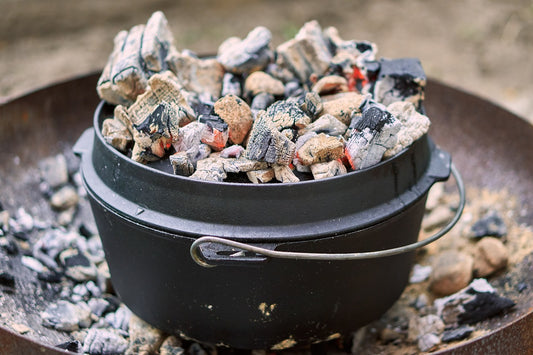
{"x":481,"y":46}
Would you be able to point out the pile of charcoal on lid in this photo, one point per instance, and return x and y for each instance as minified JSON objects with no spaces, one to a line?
{"x":317,"y":105}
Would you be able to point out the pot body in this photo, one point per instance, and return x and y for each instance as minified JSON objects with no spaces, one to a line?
{"x":269,"y":304}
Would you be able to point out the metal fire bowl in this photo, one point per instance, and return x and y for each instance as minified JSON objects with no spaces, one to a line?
{"x":490,"y":146}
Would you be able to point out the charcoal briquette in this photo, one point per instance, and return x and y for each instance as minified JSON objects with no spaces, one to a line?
{"x":490,"y":225}
{"x":50,"y":276}
{"x":73,"y":346}
{"x":104,"y":342}
{"x":7,"y":279}
{"x":457,"y":334}
{"x":484,"y":305}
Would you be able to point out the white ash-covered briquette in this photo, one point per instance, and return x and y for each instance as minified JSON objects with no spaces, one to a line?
{"x":358,"y":50}
{"x":286,"y":114}
{"x":312,"y":105}
{"x":156,"y":43}
{"x":210,"y":169}
{"x":200,"y":75}
{"x":328,"y":169}
{"x":306,"y":54}
{"x":261,"y":82}
{"x":325,"y":124}
{"x":343,"y":105}
{"x":284,"y":174}
{"x":231,"y":85}
{"x":413,"y":125}
{"x":181,"y":163}
{"x":319,"y":149}
{"x":242,"y":165}
{"x":400,"y":80}
{"x":105,"y":87}
{"x":261,"y":102}
{"x":236,"y":113}
{"x":116,"y":134}
{"x":261,"y":176}
{"x":66,"y":316}
{"x":247,"y":55}
{"x":189,"y":136}
{"x":104,"y":341}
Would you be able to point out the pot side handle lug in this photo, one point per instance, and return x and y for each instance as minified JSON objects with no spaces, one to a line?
{"x":84,"y":143}
{"x":200,"y":247}
{"x":440,"y":165}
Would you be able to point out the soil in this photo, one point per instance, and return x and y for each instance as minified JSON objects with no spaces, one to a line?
{"x":480,"y":46}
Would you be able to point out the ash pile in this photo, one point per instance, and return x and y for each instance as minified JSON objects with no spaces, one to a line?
{"x":316,"y":106}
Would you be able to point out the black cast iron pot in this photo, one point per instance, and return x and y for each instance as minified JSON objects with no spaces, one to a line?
{"x":296,"y":263}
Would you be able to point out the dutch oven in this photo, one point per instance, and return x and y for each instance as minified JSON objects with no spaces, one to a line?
{"x":296,"y":263}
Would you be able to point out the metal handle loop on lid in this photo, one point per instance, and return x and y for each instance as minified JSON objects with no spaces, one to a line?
{"x":199,"y":258}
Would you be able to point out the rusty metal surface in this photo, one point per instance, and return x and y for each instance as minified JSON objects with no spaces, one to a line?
{"x":491,"y":147}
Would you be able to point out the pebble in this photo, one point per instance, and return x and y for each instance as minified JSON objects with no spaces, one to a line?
{"x":143,"y":338}
{"x":64,"y":198}
{"x":237,"y":114}
{"x":420,"y":273}
{"x":342,"y":106}
{"x":33,"y":264}
{"x":420,"y":326}
{"x":490,"y":225}
{"x":490,"y":256}
{"x":460,"y":333}
{"x":452,"y":271}
{"x":428,"y":341}
{"x":437,"y":218}
{"x":260,"y":82}
{"x":20,"y":328}
{"x":54,"y":171}
{"x":66,"y":316}
{"x":104,"y":342}
{"x":171,"y":346}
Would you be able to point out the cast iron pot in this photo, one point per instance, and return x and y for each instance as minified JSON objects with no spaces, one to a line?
{"x":296,"y":263}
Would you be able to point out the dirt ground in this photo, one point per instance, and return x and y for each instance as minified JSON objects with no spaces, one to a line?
{"x":482,"y":46}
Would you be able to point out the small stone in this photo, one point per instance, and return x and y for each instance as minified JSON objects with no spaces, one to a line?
{"x":247,"y":55}
{"x":330,"y":84}
{"x":20,"y":328}
{"x":74,"y":346}
{"x":104,"y":342}
{"x":328,"y":169}
{"x":490,"y":256}
{"x":421,"y":301}
{"x":181,"y":164}
{"x":428,"y":341}
{"x":7,"y":279}
{"x":284,"y":174}
{"x":438,"y":217}
{"x":171,"y":346}
{"x":32,"y":264}
{"x":457,"y":334}
{"x":342,"y":106}
{"x":261,"y":102}
{"x":65,"y":217}
{"x":237,"y":114}
{"x":420,"y":326}
{"x":64,"y":198}
{"x":452,"y":271}
{"x":388,"y":335}
{"x":490,"y":225}
{"x":143,"y":338}
{"x":325,"y":124}
{"x":66,"y":316}
{"x":312,"y":105}
{"x":54,"y":170}
{"x":25,"y":221}
{"x":261,"y":176}
{"x":260,"y":82}
{"x":420,"y":273}
{"x":320,"y":149}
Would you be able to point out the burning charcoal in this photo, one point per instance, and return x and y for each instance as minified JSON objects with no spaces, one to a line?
{"x":203,"y":76}
{"x":413,"y":125}
{"x":181,"y":164}
{"x":400,"y":80}
{"x":284,"y":174}
{"x":77,"y":265}
{"x":328,"y":169}
{"x":7,"y":279}
{"x":293,"y":89}
{"x":104,"y":342}
{"x":361,"y":50}
{"x":234,"y":151}
{"x":341,"y":106}
{"x":66,"y":316}
{"x":320,"y":149}
{"x":116,"y":134}
{"x":64,"y":198}
{"x":74,"y":346}
{"x":267,"y":144}
{"x":32,"y":264}
{"x":261,"y":102}
{"x":420,"y":273}
{"x":247,"y":55}
{"x":307,"y":54}
{"x":143,"y":338}
{"x":312,"y":105}
{"x":119,"y":319}
{"x":452,"y":271}
{"x":189,"y":136}
{"x":242,"y":165}
{"x":260,"y":82}
{"x":210,"y":169}
{"x":237,"y":114}
{"x":216,"y":133}
{"x":490,"y":256}
{"x":457,"y":334}
{"x":157,"y":40}
{"x":171,"y":346}
{"x":261,"y":176}
{"x":156,"y":116}
{"x":231,"y":85}
{"x":325,"y":124}
{"x":330,"y":84}
{"x":375,"y":132}
{"x":490,"y":225}
{"x":54,"y":170}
